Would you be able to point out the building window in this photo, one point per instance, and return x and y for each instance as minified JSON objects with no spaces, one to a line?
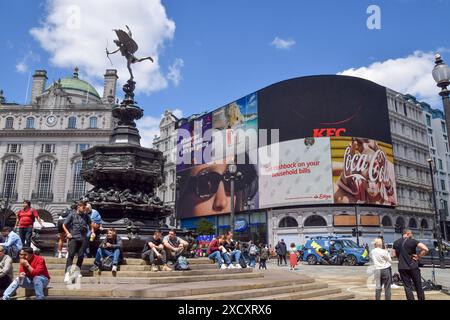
{"x":440,"y":164}
{"x":30,"y":123}
{"x":424,"y":224}
{"x":166,"y":146}
{"x":444,"y":129}
{"x":93,"y":122}
{"x":432,"y":141}
{"x":72,"y":122}
{"x":45,"y":180}
{"x":9,"y":178}
{"x":386,"y":221}
{"x":14,"y":148}
{"x":404,"y":110}
{"x":9,"y":123}
{"x":48,"y":148}
{"x":428,"y":120}
{"x":79,"y":185}
{"x":288,"y":222}
{"x":412,"y":223}
{"x":315,"y":221}
{"x":442,"y":185}
{"x":82,"y":147}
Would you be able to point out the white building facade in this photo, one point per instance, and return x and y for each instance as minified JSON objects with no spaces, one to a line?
{"x":41,"y":142}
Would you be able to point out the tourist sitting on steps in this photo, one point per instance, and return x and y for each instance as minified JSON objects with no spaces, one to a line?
{"x":12,"y":244}
{"x":174,"y":246}
{"x":231,"y":250}
{"x":33,"y":274}
{"x":109,"y":252}
{"x":6,"y":269}
{"x":155,"y":253}
{"x":215,"y":252}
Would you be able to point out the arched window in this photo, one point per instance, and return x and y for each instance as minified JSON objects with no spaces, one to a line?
{"x":315,"y":221}
{"x":30,"y":123}
{"x":44,"y":190}
{"x":400,"y":222}
{"x":412,"y":223}
{"x":72,"y":123}
{"x":93,"y":122}
{"x":386,"y":221}
{"x":288,"y":222}
{"x":9,"y":179}
{"x":9,"y":123}
{"x":79,"y":185}
{"x":424,"y":224}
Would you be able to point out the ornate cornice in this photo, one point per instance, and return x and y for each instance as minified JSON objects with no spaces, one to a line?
{"x":56,"y":133}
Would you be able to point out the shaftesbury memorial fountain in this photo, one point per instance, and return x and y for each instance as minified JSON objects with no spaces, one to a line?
{"x":124,"y":174}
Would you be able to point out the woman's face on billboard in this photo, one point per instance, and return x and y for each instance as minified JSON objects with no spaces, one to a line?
{"x":210,"y":193}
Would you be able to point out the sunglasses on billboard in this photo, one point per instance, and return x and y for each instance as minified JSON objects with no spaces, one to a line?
{"x":206,"y":184}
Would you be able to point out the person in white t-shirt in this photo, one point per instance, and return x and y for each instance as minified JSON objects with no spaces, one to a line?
{"x":383,"y":273}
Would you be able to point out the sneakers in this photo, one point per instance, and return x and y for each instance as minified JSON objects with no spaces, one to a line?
{"x":59,"y":255}
{"x":114,"y":270}
{"x":230,"y":266}
{"x":223,"y":266}
{"x":237,"y":266}
{"x":166,"y":268}
{"x":154,"y":268}
{"x":67,"y":277}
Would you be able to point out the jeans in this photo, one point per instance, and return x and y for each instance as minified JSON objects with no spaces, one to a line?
{"x":38,"y":283}
{"x":281,"y":257}
{"x":25,"y":235}
{"x":150,"y":255}
{"x":412,"y":278}
{"x":76,"y":247}
{"x":262,"y":263}
{"x":252,"y":261}
{"x":13,"y":252}
{"x":234,"y":255}
{"x":220,"y":258}
{"x":104,"y":253}
{"x":383,"y":279}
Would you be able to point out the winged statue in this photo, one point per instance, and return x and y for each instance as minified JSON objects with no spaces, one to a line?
{"x":127,"y":47}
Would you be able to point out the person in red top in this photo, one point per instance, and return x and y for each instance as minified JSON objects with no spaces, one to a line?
{"x":215,"y":252}
{"x":25,"y":220}
{"x":33,"y":274}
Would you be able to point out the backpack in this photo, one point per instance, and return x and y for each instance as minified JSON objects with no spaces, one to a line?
{"x":107,"y":263}
{"x":253,"y":250}
{"x":182,"y":264}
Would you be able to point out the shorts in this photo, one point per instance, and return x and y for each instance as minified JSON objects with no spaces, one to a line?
{"x":60,"y":225}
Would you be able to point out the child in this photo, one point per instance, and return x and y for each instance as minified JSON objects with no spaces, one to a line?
{"x":293,"y":256}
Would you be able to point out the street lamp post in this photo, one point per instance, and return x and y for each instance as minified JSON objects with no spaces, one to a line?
{"x":442,"y":218}
{"x":441,"y":74}
{"x":232,"y":175}
{"x":437,"y":225}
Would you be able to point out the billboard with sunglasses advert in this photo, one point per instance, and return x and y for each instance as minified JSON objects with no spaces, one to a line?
{"x":204,"y":187}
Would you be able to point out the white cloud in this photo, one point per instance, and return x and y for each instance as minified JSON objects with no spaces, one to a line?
{"x":282,"y":44}
{"x":23,"y":65}
{"x":149,"y":127}
{"x":76,"y":35}
{"x":174,"y":74}
{"x":411,"y":74}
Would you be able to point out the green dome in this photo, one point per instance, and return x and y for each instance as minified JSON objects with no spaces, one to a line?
{"x":76,"y":84}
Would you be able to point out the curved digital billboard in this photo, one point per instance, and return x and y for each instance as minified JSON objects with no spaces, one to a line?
{"x":305,"y":141}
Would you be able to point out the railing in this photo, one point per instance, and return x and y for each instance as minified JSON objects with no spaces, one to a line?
{"x":74,"y":196}
{"x":42,"y":196}
{"x":12,"y":196}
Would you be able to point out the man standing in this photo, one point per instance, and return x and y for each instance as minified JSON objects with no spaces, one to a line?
{"x":174,"y":246}
{"x":77,"y":226}
{"x":405,"y":249}
{"x":25,"y":220}
{"x":382,"y":262}
{"x":33,"y":275}
{"x":281,"y":250}
{"x":12,"y":244}
{"x":154,"y":250}
{"x":97,"y":226}
{"x":6,"y":269}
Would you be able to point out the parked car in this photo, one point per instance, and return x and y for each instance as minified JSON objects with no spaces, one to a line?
{"x":433,"y":255}
{"x":355,"y":255}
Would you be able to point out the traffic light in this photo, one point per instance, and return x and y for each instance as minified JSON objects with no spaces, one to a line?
{"x":360,"y":233}
{"x":354,"y":232}
{"x":398,"y":228}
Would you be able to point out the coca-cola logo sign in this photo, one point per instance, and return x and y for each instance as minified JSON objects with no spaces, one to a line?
{"x":365,"y":166}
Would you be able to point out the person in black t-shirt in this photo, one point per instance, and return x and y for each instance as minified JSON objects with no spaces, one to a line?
{"x":405,"y":249}
{"x":154,"y":252}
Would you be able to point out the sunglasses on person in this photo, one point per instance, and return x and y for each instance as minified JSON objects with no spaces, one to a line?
{"x":206,"y":184}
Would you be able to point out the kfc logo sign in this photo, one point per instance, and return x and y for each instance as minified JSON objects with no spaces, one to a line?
{"x":328,"y":132}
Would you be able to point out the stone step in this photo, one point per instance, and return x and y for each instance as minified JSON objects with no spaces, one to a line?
{"x":132,"y":267}
{"x":335,"y":296}
{"x":300,"y":295}
{"x":150,"y":274}
{"x":255,"y":293}
{"x":128,"y":261}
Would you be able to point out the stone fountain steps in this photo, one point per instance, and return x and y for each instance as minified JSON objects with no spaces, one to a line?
{"x":127,"y":261}
{"x":313,"y":293}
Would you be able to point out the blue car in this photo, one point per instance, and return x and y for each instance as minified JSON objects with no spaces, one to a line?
{"x":316,"y":248}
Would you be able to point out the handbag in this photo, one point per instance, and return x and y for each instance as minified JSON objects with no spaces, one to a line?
{"x":107,"y":263}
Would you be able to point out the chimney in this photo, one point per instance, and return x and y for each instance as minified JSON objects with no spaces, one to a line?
{"x":109,"y":90}
{"x":2,"y":98}
{"x":39,"y":79}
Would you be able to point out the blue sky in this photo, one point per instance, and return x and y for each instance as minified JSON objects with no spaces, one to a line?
{"x":226,"y":51}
